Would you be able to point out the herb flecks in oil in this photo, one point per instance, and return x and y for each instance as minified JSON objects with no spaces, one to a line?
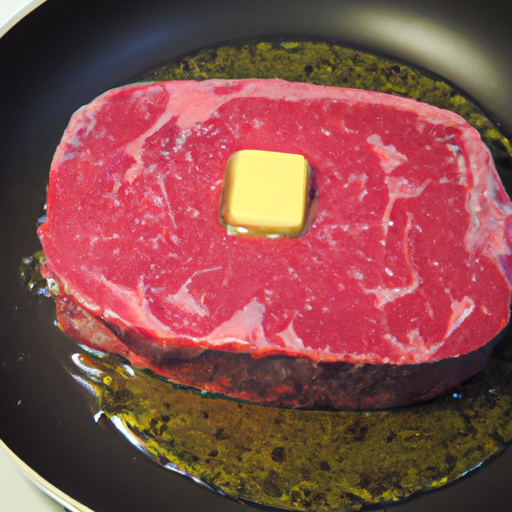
{"x":310,"y":460}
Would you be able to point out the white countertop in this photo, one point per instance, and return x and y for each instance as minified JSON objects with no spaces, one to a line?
{"x":11,"y":11}
{"x":17,"y":492}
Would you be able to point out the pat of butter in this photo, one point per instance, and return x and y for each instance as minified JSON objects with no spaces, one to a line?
{"x":265,"y":193}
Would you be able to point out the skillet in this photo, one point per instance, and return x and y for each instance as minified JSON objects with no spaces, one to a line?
{"x":63,"y":55}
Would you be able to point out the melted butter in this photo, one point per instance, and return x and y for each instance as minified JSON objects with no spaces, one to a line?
{"x":301,"y":459}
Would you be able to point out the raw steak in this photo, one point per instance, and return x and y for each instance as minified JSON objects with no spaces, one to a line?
{"x":392,"y":296}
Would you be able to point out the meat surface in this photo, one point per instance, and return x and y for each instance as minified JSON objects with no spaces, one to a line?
{"x":403,"y":278}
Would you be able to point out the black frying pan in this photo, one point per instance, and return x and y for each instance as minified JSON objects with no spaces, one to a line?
{"x":66,"y":53}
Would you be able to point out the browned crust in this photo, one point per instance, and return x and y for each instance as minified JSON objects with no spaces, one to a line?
{"x":279,"y":380}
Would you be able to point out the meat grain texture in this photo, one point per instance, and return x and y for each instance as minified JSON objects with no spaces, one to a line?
{"x":392,"y":297}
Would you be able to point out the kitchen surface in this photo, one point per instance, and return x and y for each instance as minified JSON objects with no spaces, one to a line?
{"x":18,"y":493}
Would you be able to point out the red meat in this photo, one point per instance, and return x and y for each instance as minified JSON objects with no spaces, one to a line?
{"x":391,"y":297}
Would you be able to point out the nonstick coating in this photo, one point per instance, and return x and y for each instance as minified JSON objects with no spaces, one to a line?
{"x":63,"y":55}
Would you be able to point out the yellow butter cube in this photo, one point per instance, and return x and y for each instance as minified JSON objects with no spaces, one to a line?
{"x":265,"y":193}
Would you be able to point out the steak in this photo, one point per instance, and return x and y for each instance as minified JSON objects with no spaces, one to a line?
{"x":393,"y":296}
